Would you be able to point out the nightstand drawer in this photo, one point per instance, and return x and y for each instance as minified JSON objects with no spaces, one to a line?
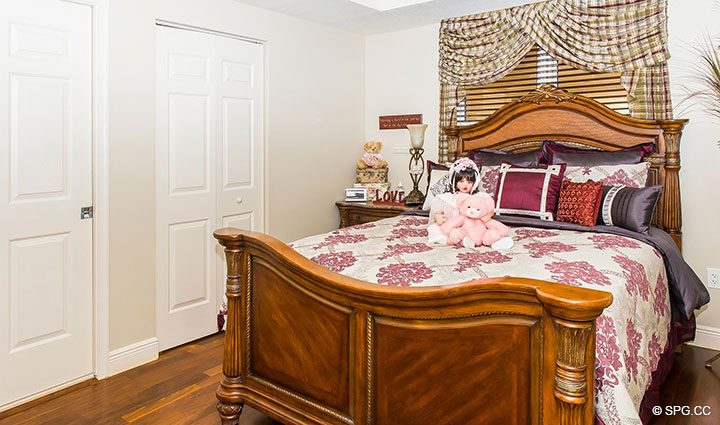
{"x":361,"y":217}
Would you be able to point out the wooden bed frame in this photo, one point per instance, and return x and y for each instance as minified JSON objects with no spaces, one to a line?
{"x":305,"y":345}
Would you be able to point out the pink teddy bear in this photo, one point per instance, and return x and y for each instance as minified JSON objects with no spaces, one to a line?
{"x":474,"y":226}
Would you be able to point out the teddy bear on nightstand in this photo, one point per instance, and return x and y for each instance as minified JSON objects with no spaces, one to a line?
{"x":372,"y":158}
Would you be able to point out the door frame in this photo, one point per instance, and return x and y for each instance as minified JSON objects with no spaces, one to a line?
{"x":101,"y":180}
{"x":101,"y":184}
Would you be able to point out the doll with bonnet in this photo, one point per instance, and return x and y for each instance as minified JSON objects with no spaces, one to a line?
{"x":463,"y":179}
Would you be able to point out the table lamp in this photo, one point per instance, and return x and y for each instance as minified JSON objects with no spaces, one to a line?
{"x":417,"y":164}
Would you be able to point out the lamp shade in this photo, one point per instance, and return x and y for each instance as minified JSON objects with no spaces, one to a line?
{"x":417,"y":135}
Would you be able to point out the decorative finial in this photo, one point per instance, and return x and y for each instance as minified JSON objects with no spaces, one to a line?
{"x":547,"y":92}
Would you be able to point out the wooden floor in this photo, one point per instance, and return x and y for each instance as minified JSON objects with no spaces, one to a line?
{"x":179,"y":388}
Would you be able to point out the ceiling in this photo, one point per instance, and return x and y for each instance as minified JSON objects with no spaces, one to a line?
{"x":351,"y":16}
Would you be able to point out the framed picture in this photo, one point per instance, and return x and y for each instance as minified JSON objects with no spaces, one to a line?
{"x":356,"y":194}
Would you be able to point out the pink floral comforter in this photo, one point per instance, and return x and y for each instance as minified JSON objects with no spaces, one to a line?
{"x":631,"y":333}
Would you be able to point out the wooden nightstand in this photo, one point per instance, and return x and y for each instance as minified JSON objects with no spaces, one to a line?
{"x":352,"y":213}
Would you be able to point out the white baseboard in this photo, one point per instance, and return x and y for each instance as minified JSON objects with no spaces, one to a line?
{"x":45,"y":392}
{"x":707,"y":337}
{"x":132,"y":355}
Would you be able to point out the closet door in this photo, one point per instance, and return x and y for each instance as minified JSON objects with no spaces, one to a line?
{"x":46,"y":161}
{"x":209,"y":171}
{"x":240,"y":140}
{"x":240,"y":147}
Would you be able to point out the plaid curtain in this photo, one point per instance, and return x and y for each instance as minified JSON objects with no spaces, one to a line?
{"x":627,"y":36}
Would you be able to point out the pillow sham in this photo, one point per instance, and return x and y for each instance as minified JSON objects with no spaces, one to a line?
{"x":633,"y":175}
{"x":579,"y":203}
{"x":629,"y":207}
{"x":529,"y":191}
{"x":440,"y":186}
{"x":431,"y":166}
{"x":490,"y":157}
{"x":436,"y":173}
{"x":557,"y":153}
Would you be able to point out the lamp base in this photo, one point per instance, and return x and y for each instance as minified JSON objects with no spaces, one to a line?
{"x":415,"y":197}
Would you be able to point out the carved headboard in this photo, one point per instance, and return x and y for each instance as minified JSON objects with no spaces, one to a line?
{"x":549,"y":113}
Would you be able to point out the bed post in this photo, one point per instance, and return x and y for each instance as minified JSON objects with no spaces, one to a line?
{"x":238,"y":274}
{"x":453,"y":133}
{"x":670,"y":196}
{"x":574,"y":360}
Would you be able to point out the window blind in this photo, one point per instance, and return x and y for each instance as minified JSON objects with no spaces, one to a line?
{"x":535,"y":69}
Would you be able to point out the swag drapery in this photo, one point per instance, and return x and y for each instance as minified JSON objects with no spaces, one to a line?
{"x":626,"y":36}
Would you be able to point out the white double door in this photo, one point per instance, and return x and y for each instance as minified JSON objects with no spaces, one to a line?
{"x":209,"y":171}
{"x":46,"y":256}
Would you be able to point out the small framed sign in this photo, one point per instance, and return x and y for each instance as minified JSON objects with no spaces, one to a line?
{"x":356,"y":194}
{"x":394,"y":122}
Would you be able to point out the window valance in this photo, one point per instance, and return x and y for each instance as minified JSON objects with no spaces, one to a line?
{"x":627,"y":36}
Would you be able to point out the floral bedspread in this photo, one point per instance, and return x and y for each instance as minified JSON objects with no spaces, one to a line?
{"x":631,"y":333}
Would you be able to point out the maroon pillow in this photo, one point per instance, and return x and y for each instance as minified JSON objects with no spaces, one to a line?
{"x":529,"y":191}
{"x":579,"y":203}
{"x":556,"y":153}
{"x":489,"y":157}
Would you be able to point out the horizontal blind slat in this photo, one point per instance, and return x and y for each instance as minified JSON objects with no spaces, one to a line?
{"x":482,"y":101}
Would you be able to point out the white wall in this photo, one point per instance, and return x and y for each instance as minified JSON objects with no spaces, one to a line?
{"x":401,"y":78}
{"x":315,"y":124}
{"x":393,"y":87}
{"x":700,"y":156}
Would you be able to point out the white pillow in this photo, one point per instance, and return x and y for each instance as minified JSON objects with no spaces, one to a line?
{"x":439,"y":183}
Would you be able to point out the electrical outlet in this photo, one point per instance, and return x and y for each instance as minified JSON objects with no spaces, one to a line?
{"x":713,"y":278}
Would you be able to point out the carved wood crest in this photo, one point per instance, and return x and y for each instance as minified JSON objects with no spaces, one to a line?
{"x":547,"y":92}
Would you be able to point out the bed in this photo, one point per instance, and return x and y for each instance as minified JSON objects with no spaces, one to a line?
{"x":312,"y":338}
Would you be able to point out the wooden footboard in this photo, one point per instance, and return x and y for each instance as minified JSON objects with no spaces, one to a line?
{"x":305,"y":345}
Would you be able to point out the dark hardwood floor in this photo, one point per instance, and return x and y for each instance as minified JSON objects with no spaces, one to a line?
{"x":179,"y":388}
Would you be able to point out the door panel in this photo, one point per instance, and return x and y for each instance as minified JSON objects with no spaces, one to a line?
{"x":184,"y":192}
{"x":45,"y":248}
{"x":38,"y":286}
{"x":209,"y":171}
{"x":240,"y":97}
{"x":237,"y":143}
{"x":188,"y":265}
{"x":188,"y":140}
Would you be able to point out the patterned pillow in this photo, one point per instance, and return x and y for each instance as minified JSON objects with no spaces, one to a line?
{"x":438,"y":182}
{"x":579,"y":203}
{"x":489,"y":179}
{"x":630,"y":175}
{"x":629,"y":207}
{"x":432,"y":166}
{"x":529,"y":191}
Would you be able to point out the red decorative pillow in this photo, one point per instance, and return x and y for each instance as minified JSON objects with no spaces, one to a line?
{"x":529,"y":191}
{"x":579,"y":203}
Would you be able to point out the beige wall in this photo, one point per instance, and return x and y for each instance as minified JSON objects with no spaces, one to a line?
{"x":315,"y":78}
{"x":401,"y":78}
{"x":392,"y":88}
